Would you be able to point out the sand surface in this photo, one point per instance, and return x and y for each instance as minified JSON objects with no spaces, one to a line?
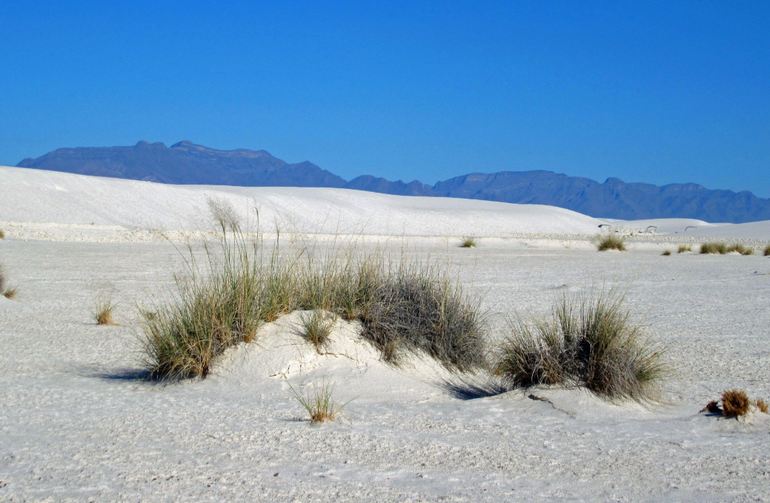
{"x":78,"y":423}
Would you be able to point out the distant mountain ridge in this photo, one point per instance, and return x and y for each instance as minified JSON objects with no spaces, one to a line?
{"x":189,"y":163}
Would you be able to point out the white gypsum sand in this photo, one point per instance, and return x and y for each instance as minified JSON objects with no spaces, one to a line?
{"x":79,"y":423}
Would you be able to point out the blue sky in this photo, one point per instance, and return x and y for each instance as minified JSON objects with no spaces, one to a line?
{"x":645,"y":91}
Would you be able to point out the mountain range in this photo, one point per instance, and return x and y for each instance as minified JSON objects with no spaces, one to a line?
{"x":189,"y":163}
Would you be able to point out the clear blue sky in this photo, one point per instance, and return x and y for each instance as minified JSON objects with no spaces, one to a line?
{"x":644,"y":91}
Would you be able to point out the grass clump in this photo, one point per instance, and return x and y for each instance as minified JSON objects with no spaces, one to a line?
{"x":684,"y":248}
{"x":739,"y":248}
{"x":767,"y":251}
{"x":103,"y":313}
{"x":713,"y":248}
{"x":590,"y":343}
{"x":319,"y":404}
{"x":223,"y":301}
{"x":317,"y":328}
{"x":418,"y":309}
{"x":468,"y":242}
{"x":761,"y":405}
{"x":2,"y":234}
{"x":666,"y":253}
{"x":611,"y":243}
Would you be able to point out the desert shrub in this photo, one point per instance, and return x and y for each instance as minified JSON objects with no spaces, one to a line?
{"x":468,"y":242}
{"x":590,"y":343}
{"x":739,"y":248}
{"x":319,"y":404}
{"x":713,"y":248}
{"x":2,"y":234}
{"x":223,"y":301}
{"x":103,"y":313}
{"x":317,"y":327}
{"x":735,"y":402}
{"x":666,"y":253}
{"x":611,"y":243}
{"x":684,"y":248}
{"x":761,"y":405}
{"x":10,"y":293}
{"x":767,"y":251}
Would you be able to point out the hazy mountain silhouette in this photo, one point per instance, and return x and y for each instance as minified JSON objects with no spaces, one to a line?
{"x":188,"y":163}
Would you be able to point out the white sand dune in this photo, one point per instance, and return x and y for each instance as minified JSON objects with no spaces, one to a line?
{"x":78,"y":423}
{"x":43,"y":197}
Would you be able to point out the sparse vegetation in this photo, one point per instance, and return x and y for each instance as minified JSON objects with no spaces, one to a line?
{"x":2,"y":234}
{"x":468,"y":242}
{"x":319,"y":404}
{"x":739,"y":248}
{"x":713,"y":248}
{"x":402,"y":309}
{"x":684,"y":248}
{"x":666,"y":253}
{"x":722,"y":249}
{"x":767,"y":251}
{"x":590,"y":343}
{"x":735,"y":403}
{"x":103,"y":313}
{"x":7,"y":292}
{"x":317,"y":327}
{"x":611,"y":242}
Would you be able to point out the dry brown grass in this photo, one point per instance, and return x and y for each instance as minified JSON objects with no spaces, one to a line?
{"x":666,"y":253}
{"x":2,"y":234}
{"x":468,"y":242}
{"x":735,"y":402}
{"x":761,"y":405}
{"x":104,"y":313}
{"x":10,"y":293}
{"x":767,"y":251}
{"x":684,"y":248}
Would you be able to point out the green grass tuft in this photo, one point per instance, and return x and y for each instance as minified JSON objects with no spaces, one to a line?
{"x":588,"y":343}
{"x":319,"y":404}
{"x":317,"y":328}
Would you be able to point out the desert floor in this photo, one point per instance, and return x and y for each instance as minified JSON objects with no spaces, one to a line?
{"x":77,"y":422}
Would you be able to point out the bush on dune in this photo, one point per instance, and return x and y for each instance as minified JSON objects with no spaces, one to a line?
{"x":221,"y":304}
{"x":589,"y":343}
{"x":684,"y":248}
